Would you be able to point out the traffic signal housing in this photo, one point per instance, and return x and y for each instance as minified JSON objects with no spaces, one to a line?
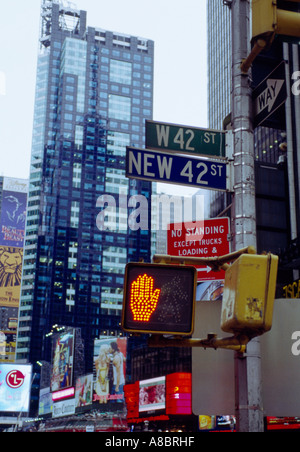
{"x":249,"y":292}
{"x":271,"y":17}
{"x":159,"y":299}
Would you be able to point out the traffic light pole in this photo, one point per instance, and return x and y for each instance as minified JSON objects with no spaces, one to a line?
{"x":249,"y":410}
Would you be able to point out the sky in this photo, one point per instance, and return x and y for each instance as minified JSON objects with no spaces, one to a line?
{"x":177,"y":28}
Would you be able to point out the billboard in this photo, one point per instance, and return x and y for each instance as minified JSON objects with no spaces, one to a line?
{"x":13,"y":212}
{"x":110,"y":369}
{"x":12,"y":232}
{"x":10,"y":275}
{"x":45,"y":401}
{"x":84,"y":391}
{"x":170,"y":395}
{"x":152,"y":394}
{"x":62,"y":359}
{"x":15,"y":387}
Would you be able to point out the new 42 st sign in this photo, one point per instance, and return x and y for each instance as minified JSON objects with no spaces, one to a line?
{"x":176,"y":169}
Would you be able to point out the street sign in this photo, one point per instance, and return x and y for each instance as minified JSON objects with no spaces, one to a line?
{"x":191,"y":140}
{"x":177,"y":169}
{"x":208,"y":238}
{"x":269,"y":95}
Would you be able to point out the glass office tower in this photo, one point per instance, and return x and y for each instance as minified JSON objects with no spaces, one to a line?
{"x":94,"y":90}
{"x":219,"y":62}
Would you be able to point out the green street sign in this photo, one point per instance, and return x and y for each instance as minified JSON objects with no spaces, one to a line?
{"x":183,"y":139}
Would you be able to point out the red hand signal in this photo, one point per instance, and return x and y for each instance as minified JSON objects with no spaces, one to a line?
{"x":143,"y":300}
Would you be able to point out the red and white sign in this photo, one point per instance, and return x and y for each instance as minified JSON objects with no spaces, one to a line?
{"x":208,"y":238}
{"x":15,"y":379}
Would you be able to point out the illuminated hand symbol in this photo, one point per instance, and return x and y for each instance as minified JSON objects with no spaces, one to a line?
{"x":143,"y":300}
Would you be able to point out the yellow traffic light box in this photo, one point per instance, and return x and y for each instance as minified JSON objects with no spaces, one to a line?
{"x":159,"y":299}
{"x":249,"y":292}
{"x":274,"y":17}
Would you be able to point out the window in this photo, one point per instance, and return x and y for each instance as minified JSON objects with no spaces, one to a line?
{"x":120,"y":72}
{"x":78,"y":137}
{"x":74,"y":217}
{"x":119,"y":107}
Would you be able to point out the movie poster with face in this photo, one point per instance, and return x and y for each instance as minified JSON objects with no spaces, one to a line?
{"x":110,"y":370}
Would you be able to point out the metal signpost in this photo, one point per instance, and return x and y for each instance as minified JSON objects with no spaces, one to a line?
{"x":249,"y":409}
{"x":177,"y":169}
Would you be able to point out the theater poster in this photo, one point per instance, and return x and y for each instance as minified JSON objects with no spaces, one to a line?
{"x":13,"y":212}
{"x":12,"y":233}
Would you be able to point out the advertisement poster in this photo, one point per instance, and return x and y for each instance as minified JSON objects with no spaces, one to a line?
{"x":62,"y":360}
{"x":152,"y":394}
{"x":84,"y":391}
{"x":110,"y":368}
{"x":45,"y":402}
{"x":15,"y":387}
{"x":10,"y":275}
{"x":10,"y":290}
{"x":13,"y":212}
{"x":12,"y":232}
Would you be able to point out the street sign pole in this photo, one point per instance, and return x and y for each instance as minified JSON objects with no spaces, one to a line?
{"x":248,"y":380}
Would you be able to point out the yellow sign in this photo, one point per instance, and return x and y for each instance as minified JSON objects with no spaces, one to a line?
{"x":10,"y":275}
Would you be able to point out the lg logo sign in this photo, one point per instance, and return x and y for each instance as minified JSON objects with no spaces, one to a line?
{"x":15,"y":379}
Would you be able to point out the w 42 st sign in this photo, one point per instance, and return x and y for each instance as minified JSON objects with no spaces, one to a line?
{"x":183,"y":139}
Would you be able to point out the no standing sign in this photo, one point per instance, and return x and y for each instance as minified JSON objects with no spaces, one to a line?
{"x":208,"y":238}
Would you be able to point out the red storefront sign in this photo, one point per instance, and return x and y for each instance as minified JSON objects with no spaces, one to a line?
{"x":178,"y":397}
{"x":208,"y":238}
{"x":179,"y":393}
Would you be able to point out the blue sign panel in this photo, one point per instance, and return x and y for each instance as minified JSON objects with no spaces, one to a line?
{"x":156,"y":166}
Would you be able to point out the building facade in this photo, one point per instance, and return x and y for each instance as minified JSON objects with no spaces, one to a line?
{"x":94,"y":90}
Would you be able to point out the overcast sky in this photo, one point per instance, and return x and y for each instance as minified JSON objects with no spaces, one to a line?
{"x":180,"y":84}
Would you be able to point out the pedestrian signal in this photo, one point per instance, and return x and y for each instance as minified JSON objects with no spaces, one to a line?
{"x":249,"y":292}
{"x":159,"y":299}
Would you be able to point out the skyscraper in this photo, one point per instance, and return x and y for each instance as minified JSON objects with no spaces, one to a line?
{"x":94,"y":90}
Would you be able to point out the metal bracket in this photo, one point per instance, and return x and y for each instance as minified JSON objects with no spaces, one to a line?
{"x":235,"y":343}
{"x":216,"y":263}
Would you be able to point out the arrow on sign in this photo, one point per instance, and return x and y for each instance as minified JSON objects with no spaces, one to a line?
{"x":268,"y":97}
{"x":207,"y":269}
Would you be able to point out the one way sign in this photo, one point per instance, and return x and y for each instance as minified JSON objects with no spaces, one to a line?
{"x":269,"y":95}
